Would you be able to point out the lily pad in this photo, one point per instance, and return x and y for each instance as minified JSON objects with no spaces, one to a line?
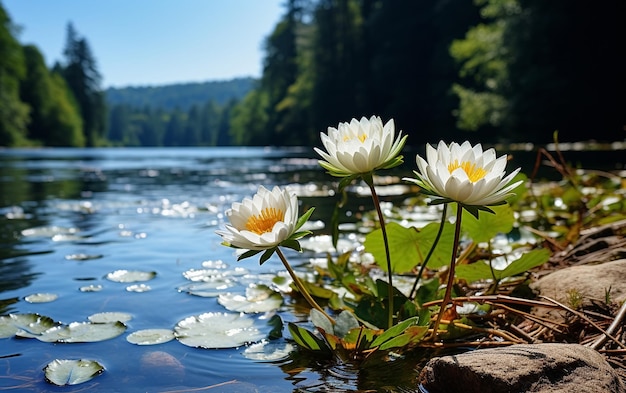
{"x":207,"y":289}
{"x":130,"y":276}
{"x":150,"y":336}
{"x":217,"y":330}
{"x":258,"y":298}
{"x":72,"y":372}
{"x":268,"y":351}
{"x":41,"y":297}
{"x":104,"y":317}
{"x":83,"y":332}
{"x":25,"y":325}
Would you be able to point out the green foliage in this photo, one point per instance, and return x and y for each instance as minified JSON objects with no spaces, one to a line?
{"x":83,"y":79}
{"x":488,"y":225}
{"x":482,"y":271}
{"x":13,"y":112}
{"x":409,"y":246}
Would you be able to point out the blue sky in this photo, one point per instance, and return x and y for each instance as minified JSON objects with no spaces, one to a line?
{"x":154,"y":42}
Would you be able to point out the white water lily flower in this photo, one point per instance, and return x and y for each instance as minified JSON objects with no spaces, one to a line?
{"x":263,"y":222}
{"x":464,"y":174}
{"x":361,"y":147}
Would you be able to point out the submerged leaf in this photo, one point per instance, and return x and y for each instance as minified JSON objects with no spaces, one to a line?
{"x":71,"y":372}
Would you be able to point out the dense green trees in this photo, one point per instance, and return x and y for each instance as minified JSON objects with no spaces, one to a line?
{"x":84,"y":80}
{"x":488,"y":70}
{"x":38,"y":106}
{"x":13,"y":111}
{"x":484,"y":70}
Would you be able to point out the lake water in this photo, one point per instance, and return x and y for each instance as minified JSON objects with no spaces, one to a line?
{"x":69,"y":217}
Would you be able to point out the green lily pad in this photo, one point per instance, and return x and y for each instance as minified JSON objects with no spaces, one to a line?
{"x":258,"y":298}
{"x":268,"y":351}
{"x":104,"y":317}
{"x":82,"y":332}
{"x":71,"y":372}
{"x":217,"y":330}
{"x":41,"y":297}
{"x":150,"y":336}
{"x":207,"y":289}
{"x":130,"y":276}
{"x":25,"y":325}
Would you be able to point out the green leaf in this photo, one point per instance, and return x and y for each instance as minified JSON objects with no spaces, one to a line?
{"x":487,"y":226}
{"x":413,"y":334}
{"x":266,"y":255}
{"x":292,"y":244}
{"x":304,"y":218}
{"x":248,"y":254}
{"x":306,"y":339}
{"x":72,"y":372}
{"x":409,"y":247}
{"x":481,"y":270}
{"x":346,"y":321}
{"x":394,"y":331}
{"x":528,"y":261}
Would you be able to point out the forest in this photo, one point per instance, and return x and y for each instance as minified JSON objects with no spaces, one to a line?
{"x":494,"y":71}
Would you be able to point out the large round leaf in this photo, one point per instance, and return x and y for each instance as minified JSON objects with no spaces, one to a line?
{"x":217,"y":330}
{"x":71,"y":372}
{"x":83,"y":332}
{"x":258,"y":298}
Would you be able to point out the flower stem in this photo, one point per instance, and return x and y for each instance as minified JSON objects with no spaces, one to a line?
{"x":444,"y":213}
{"x":301,"y":288}
{"x":450,"y":283}
{"x":381,"y":220}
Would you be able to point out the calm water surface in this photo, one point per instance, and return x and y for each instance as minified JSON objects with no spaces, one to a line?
{"x":70,"y":216}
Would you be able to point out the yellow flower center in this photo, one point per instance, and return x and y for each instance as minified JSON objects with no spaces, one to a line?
{"x":473,"y":172}
{"x":265,"y":221}
{"x":361,"y":137}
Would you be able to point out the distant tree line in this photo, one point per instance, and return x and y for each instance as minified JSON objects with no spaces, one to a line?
{"x":484,"y":70}
{"x":487,"y":70}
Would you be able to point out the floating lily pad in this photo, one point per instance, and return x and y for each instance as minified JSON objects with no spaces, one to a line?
{"x":72,"y":372}
{"x":217,"y":330}
{"x":82,"y":332}
{"x":268,"y":350}
{"x":41,"y":297}
{"x":207,"y":289}
{"x":150,"y":336}
{"x":258,"y":298}
{"x":26,"y":325}
{"x":104,"y":317}
{"x":130,"y":276}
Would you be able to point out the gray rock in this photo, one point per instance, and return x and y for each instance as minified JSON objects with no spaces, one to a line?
{"x":590,"y":282}
{"x":537,"y":368}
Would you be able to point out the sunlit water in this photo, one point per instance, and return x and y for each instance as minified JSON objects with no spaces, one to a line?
{"x":69,"y":217}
